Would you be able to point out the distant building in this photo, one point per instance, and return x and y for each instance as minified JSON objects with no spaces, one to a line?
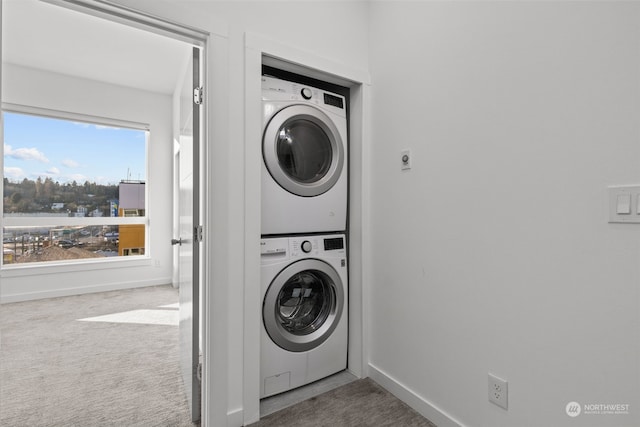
{"x":131,"y":203}
{"x":57,"y":206}
{"x":113,"y":208}
{"x":8,"y":256}
{"x":81,"y":212}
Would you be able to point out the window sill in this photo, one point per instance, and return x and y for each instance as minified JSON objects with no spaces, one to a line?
{"x":37,"y":269}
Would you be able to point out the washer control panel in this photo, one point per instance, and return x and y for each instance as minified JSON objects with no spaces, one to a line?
{"x":273,"y":246}
{"x":306,"y":93}
{"x":305,"y":246}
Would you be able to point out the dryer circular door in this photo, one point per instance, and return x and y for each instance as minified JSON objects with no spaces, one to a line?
{"x":303,"y":150}
{"x":303,"y":305}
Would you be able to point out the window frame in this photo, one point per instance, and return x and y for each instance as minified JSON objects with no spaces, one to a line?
{"x":76,"y":264}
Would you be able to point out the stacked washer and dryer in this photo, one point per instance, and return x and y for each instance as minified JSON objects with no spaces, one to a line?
{"x":304,"y":285}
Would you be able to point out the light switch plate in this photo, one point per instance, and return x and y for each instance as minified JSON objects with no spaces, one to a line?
{"x":624,"y":204}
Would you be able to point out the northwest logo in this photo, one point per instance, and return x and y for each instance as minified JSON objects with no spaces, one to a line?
{"x":573,"y":409}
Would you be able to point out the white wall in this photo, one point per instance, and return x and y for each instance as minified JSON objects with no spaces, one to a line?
{"x":332,"y":30}
{"x":37,"y":88}
{"x":493,"y":253}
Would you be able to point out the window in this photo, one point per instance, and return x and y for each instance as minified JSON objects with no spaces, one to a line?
{"x":74,"y":187}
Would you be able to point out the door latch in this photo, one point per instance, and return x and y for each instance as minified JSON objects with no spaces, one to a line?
{"x":176,"y":242}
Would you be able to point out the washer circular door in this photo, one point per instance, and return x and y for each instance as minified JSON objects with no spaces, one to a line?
{"x":303,"y":150}
{"x":303,"y":305}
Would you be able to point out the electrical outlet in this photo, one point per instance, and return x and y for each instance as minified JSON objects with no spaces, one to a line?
{"x":498,"y":391}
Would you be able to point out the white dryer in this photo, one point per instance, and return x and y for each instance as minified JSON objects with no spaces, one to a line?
{"x":304,"y":168}
{"x":304,"y":310}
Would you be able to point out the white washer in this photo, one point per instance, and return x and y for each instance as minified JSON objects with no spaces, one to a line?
{"x":304,"y":168}
{"x":304,"y":310}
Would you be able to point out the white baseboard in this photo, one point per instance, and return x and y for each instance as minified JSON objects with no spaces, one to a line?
{"x":235,"y":418}
{"x":64,"y":292}
{"x":425,"y":408}
{"x":408,"y":396}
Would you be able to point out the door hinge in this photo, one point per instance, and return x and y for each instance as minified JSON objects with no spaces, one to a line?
{"x":197,"y":233}
{"x":198,"y":95}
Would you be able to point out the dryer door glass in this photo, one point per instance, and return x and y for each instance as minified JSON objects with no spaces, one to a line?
{"x":305,"y":302}
{"x":304,"y":151}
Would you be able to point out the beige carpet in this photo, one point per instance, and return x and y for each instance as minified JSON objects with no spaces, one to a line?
{"x":361,"y":403}
{"x":118,"y":367}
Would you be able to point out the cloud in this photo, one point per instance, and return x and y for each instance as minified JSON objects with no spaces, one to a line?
{"x":53,"y":171}
{"x":13,"y":173}
{"x":68,"y":163}
{"x":103,"y":127}
{"x":103,"y":180}
{"x":79,"y":178}
{"x":95,"y":126}
{"x":25,"y":154}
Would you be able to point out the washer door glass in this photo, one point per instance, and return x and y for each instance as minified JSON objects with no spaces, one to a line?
{"x":303,"y":305}
{"x":303,"y":150}
{"x":305,"y":301}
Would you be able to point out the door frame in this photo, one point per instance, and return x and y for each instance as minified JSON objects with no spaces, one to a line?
{"x":259,"y":50}
{"x":197,"y":37}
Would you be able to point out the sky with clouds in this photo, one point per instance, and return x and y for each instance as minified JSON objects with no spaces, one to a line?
{"x":67,"y":151}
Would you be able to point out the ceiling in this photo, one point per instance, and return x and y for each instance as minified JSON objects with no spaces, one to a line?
{"x":45,"y":36}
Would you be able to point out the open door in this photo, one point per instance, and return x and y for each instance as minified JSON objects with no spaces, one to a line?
{"x":189,"y":240}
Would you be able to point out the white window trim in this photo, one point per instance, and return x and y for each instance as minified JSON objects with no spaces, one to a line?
{"x":76,"y":117}
{"x":36,"y":268}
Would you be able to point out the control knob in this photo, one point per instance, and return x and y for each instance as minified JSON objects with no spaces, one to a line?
{"x":306,"y":93}
{"x":306,"y":246}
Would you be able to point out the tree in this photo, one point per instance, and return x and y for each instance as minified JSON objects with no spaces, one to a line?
{"x":16,"y":198}
{"x":48,"y":188}
{"x":29,"y":196}
{"x":39,"y":188}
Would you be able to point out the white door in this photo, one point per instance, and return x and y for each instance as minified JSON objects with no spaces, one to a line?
{"x":188,"y":195}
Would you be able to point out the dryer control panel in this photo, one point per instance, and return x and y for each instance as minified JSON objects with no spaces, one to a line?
{"x":281,"y":90}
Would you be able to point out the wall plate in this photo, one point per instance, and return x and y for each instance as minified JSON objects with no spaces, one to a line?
{"x":624,"y":204}
{"x":405,"y":159}
{"x":498,"y":391}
